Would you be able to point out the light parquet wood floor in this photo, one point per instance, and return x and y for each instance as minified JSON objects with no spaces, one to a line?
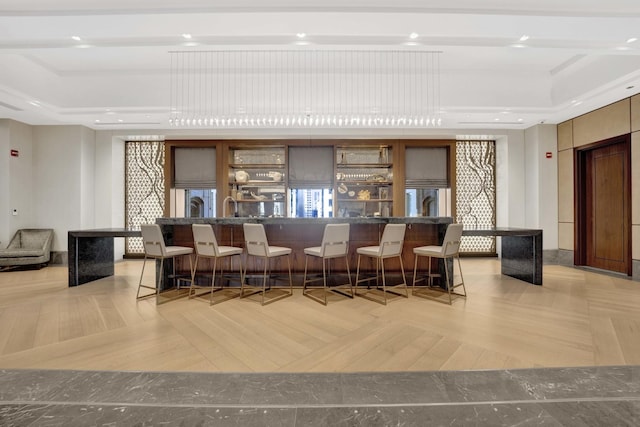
{"x":578,"y":318}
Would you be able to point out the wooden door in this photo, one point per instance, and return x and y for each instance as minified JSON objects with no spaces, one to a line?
{"x":607,"y":210}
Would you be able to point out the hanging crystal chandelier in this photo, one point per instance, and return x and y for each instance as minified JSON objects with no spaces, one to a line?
{"x":305,"y":89}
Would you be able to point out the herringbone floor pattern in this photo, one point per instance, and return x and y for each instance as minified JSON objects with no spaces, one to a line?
{"x":577,"y":318}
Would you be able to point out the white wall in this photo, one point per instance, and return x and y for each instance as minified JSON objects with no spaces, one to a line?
{"x":109,"y":185}
{"x":510,"y":180}
{"x":532,"y":182}
{"x":548,"y":205}
{"x":541,"y":182}
{"x":82,"y":172}
{"x":103,"y":175}
{"x":16,"y":179}
{"x":5,"y":176}
{"x":57,"y":171}
{"x":63,"y":179}
{"x":88,"y":174}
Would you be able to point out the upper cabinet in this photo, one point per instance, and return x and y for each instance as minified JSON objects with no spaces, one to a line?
{"x":258,"y":180}
{"x":364,"y":179}
{"x":333,"y":177}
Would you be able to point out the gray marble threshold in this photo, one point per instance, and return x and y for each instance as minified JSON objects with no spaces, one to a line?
{"x":583,"y":396}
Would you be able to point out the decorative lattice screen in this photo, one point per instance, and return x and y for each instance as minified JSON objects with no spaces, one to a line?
{"x":144,"y":182}
{"x":476,"y":192}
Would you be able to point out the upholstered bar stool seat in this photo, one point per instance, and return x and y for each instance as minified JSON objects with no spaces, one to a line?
{"x":155,"y":248}
{"x":206,"y":246}
{"x":450,"y":249}
{"x":390,"y":246}
{"x":335,"y":244}
{"x":258,"y":247}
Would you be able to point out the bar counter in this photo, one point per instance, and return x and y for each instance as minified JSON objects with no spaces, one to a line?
{"x":91,"y":251}
{"x":300,"y":233}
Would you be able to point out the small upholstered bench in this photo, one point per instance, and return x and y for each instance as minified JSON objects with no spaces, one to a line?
{"x":30,"y":246}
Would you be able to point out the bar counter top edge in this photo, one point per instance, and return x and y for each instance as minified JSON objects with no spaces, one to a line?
{"x":283,"y":220}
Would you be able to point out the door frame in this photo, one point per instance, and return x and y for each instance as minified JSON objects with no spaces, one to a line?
{"x":580,"y":197}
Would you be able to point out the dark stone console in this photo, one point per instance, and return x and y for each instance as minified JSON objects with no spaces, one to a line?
{"x":521,"y":251}
{"x":91,"y":253}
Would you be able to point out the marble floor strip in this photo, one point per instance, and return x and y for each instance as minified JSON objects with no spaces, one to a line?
{"x":546,"y":396}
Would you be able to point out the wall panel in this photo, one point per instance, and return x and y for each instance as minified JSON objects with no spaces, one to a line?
{"x":565,"y":186}
{"x":565,"y":135}
{"x":604,"y":123}
{"x":635,"y":195}
{"x":635,"y":113}
{"x":565,"y":235}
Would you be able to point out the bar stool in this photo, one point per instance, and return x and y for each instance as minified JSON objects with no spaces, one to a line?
{"x":390,"y":246}
{"x":258,"y":247}
{"x":335,"y":244}
{"x":206,"y":246}
{"x":450,"y":249}
{"x":155,"y":248}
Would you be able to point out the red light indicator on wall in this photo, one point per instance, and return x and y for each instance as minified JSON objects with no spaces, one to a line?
{"x":549,"y":155}
{"x":14,"y":153}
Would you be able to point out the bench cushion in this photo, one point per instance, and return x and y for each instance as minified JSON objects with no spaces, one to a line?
{"x":18,"y":253}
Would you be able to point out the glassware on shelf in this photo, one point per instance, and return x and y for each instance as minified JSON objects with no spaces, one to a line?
{"x":364,"y":179}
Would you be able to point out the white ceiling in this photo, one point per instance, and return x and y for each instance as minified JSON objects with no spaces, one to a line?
{"x":577,"y":57}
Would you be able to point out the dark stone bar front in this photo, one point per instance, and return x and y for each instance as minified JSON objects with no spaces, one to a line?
{"x":300,"y":233}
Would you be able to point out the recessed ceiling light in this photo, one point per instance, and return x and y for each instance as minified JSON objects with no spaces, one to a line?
{"x":301,"y":35}
{"x":120,"y":120}
{"x":632,"y":39}
{"x":76,"y":38}
{"x":410,"y":44}
{"x":521,"y":120}
{"x":97,"y":120}
{"x":35,"y":103}
{"x":496,"y":119}
{"x":524,"y":38}
{"x":518,"y":46}
{"x":186,"y":36}
{"x":413,"y":35}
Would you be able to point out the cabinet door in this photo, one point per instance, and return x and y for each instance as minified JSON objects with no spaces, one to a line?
{"x":258,"y":180}
{"x":364,"y":180}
